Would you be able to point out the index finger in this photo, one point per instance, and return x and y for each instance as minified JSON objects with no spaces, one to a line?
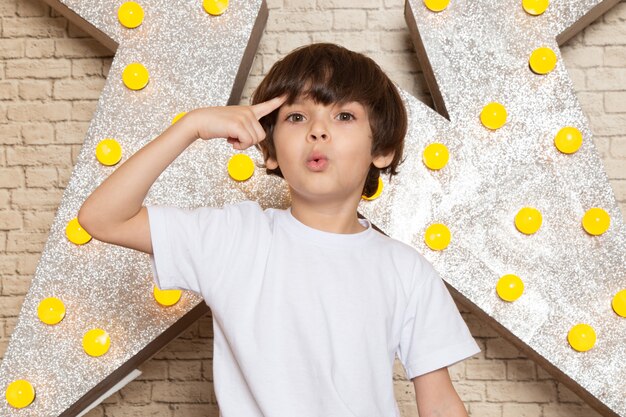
{"x":266,"y":107}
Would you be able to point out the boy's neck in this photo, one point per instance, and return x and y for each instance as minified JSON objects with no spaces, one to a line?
{"x":334,"y":218}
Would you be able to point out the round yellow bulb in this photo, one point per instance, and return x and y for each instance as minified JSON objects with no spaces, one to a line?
{"x":510,"y":287}
{"x":135,"y":76}
{"x":596,"y":221}
{"x":493,"y":116}
{"x":108,"y":152}
{"x":166,"y":297}
{"x":178,"y":116}
{"x":215,"y":7}
{"x":20,"y":393}
{"x":435,"y":156}
{"x":96,"y":342}
{"x":535,"y":7}
{"x":528,"y":220}
{"x":75,"y":232}
{"x":437,"y":236}
{"x":436,"y":5}
{"x":582,"y":337}
{"x":619,"y":303}
{"x":379,"y":191}
{"x":542,"y":60}
{"x":240,"y":167}
{"x":568,"y":140}
{"x":130,"y":14}
{"x":51,"y":310}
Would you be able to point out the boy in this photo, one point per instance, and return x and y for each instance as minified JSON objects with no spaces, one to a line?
{"x":309,"y":304}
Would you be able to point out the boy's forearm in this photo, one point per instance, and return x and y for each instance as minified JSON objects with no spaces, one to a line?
{"x":121,"y":195}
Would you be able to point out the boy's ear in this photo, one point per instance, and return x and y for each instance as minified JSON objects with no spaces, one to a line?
{"x":271,"y":163}
{"x":383,"y":161}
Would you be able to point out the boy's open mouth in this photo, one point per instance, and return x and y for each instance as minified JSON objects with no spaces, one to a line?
{"x":317,"y":161}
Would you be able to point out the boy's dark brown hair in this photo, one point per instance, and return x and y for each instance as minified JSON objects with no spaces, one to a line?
{"x":328,"y":73}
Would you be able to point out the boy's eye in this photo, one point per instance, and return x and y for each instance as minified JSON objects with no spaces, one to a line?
{"x":295,"y":117}
{"x":345,"y":116}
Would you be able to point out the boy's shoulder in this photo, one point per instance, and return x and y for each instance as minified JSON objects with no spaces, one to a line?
{"x":404,"y":254}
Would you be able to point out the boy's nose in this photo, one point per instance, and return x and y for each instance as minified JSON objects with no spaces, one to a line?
{"x":317,"y":136}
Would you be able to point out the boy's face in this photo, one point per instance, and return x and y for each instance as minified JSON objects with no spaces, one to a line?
{"x":324,"y":151}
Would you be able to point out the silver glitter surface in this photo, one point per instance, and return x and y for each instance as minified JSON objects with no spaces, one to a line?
{"x":192,"y":58}
{"x":479,"y":53}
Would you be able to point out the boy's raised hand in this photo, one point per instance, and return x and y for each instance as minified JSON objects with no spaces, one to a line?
{"x":239,"y":124}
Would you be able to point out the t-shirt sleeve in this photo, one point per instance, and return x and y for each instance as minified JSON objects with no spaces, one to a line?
{"x":434,"y":334}
{"x":193,"y":248}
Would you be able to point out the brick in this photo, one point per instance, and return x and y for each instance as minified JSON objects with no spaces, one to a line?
{"x":8,"y":8}
{"x":313,"y":21}
{"x":8,"y":264}
{"x":359,"y":41}
{"x":36,"y":198}
{"x":340,"y":4}
{"x":618,"y":148}
{"x":15,"y":285}
{"x":385,"y":20}
{"x":71,"y":132}
{"x":63,"y":176}
{"x":619,"y":187}
{"x":501,"y":349}
{"x":38,"y":133}
{"x":610,"y":124}
{"x":299,"y":4}
{"x":10,"y":220}
{"x":35,"y":27}
{"x":520,"y":370}
{"x":74,"y":31}
{"x":195,"y":410}
{"x":39,"y":112}
{"x":565,"y":395}
{"x":615,"y":169}
{"x":38,"y":68}
{"x":603,"y":34}
{"x":186,"y":349}
{"x":583,"y":56}
{"x":150,"y":410}
{"x":83,"y":110}
{"x":38,"y":220}
{"x":27,"y":263}
{"x":353,"y":19}
{"x":397,"y":41}
{"x":615,"y":102}
{"x":34,"y":90}
{"x":404,"y":391}
{"x":80,"y":48}
{"x":287,"y":44}
{"x":38,"y":155}
{"x":10,"y":306}
{"x":39,"y":48}
{"x":606,"y":78}
{"x":137,"y":393}
{"x":521,"y":392}
{"x":96,"y":412}
{"x":615,"y":56}
{"x":9,"y":135}
{"x":485,"y":410}
{"x":485,"y":370}
{"x":521,"y":410}
{"x":11,"y":177}
{"x":8,"y":90}
{"x":32,"y":242}
{"x":86,"y":67}
{"x":41,"y":177}
{"x":193,"y":392}
{"x":153,"y":370}
{"x":471,"y":390}
{"x":185,"y":370}
{"x":566,"y":410}
{"x":83,"y":89}
{"x":31,"y":8}
{"x":12,"y":48}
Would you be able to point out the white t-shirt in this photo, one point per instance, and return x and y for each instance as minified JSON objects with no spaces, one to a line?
{"x":307,"y":323}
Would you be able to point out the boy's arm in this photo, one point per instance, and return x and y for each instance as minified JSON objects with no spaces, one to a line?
{"x":436,"y":397}
{"x":113,"y":213}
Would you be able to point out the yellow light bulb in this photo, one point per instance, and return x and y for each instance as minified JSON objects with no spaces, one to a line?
{"x":178,"y":116}
{"x":596,"y":221}
{"x":130,"y":14}
{"x":493,"y":116}
{"x":166,"y":297}
{"x":437,"y":236}
{"x":379,"y":191}
{"x":535,"y":7}
{"x":96,"y":342}
{"x":568,"y":140}
{"x":215,"y":7}
{"x":240,"y":167}
{"x":108,"y":152}
{"x":51,"y":310}
{"x":435,"y":155}
{"x":75,"y":232}
{"x":510,"y":287}
{"x":581,"y":337}
{"x":619,"y":303}
{"x":542,"y":60}
{"x":528,"y":220}
{"x":436,"y":5}
{"x":135,"y":76}
{"x":20,"y":394}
